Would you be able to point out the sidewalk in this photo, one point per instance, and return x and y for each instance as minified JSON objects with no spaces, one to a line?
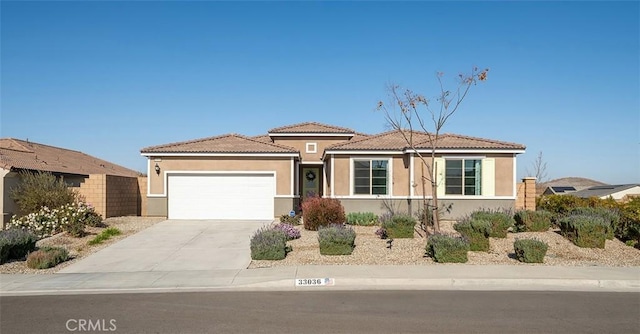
{"x":440,"y":277}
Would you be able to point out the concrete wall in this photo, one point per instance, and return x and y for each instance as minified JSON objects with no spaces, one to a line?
{"x":8,"y":207}
{"x":526,"y":199}
{"x":114,"y":196}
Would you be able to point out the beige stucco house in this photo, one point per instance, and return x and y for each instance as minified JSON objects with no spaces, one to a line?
{"x":238,"y":177}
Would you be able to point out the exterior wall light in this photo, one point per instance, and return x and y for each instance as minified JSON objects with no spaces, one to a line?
{"x":157,"y":168}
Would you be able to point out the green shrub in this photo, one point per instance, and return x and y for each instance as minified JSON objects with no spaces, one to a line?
{"x":40,"y":189}
{"x":399,"y":226}
{"x":47,"y":257}
{"x":530,"y":250}
{"x":610,"y":216}
{"x":560,"y":205}
{"x":585,"y":231}
{"x":500,"y":222}
{"x":629,"y":227}
{"x":70,"y":217}
{"x":362,"y":218}
{"x":532,"y":221}
{"x":286,"y":219}
{"x":336,"y":239}
{"x":16,"y":244}
{"x":476,"y":231}
{"x":317,"y":212}
{"x":268,"y":244}
{"x":105,"y":235}
{"x":444,"y":248}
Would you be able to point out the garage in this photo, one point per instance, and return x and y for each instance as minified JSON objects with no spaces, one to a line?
{"x":221,"y":196}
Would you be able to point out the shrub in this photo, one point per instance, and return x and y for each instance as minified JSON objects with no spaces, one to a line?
{"x":47,"y":257}
{"x":560,"y":205}
{"x":40,"y":189}
{"x":400,"y":226}
{"x":584,"y":231}
{"x":336,"y":239}
{"x":289,"y":231}
{"x":610,"y":216}
{"x":268,"y":244}
{"x":382,"y":233}
{"x":532,"y":221}
{"x":286,"y":219}
{"x":362,"y":218}
{"x":317,"y":212}
{"x":500,"y":221}
{"x":16,"y":244}
{"x":70,"y":217}
{"x":105,"y":235}
{"x":629,"y":227}
{"x":476,"y":231}
{"x":447,"y":249}
{"x":530,"y":250}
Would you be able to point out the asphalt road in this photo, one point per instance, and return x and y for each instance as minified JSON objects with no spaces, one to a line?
{"x":325,"y":312}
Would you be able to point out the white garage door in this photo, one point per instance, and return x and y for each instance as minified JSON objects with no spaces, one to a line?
{"x":221,"y":196}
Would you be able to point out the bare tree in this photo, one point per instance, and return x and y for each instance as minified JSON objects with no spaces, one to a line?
{"x":538,"y":169}
{"x":416,"y":117}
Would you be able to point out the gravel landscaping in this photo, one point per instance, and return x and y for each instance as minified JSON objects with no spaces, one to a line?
{"x":371,"y":250}
{"x":78,"y":247}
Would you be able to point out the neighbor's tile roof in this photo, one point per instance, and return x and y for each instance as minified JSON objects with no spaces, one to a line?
{"x":229,"y":143}
{"x":311,"y":127}
{"x":394,"y":140}
{"x":20,"y":154}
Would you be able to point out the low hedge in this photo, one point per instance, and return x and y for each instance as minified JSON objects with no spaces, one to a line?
{"x":268,"y":244}
{"x":500,"y":222}
{"x":362,"y":218}
{"x":530,"y":250}
{"x":532,"y":221}
{"x":476,"y":231}
{"x":610,"y":216}
{"x":336,"y":239}
{"x":399,"y":226}
{"x":47,"y":257}
{"x":16,"y":243}
{"x":584,"y":230}
{"x":444,"y":248}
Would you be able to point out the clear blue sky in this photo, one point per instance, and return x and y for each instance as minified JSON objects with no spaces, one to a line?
{"x":109,"y":78}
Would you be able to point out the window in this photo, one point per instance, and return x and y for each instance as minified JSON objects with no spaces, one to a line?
{"x":370,"y":177}
{"x":463,"y":177}
{"x":312,"y":148}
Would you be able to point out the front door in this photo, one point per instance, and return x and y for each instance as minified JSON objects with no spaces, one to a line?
{"x":311,"y":181}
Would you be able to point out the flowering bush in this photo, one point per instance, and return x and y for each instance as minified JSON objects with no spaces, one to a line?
{"x":382,"y":233}
{"x":46,"y":222}
{"x":318,"y":211}
{"x":288,"y":229}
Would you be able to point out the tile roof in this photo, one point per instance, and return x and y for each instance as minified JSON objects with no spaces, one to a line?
{"x":229,"y":143}
{"x":311,"y":127}
{"x":394,"y":140}
{"x":20,"y":154}
{"x":262,"y":138}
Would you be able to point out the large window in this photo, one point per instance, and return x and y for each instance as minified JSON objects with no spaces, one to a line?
{"x":370,"y":177}
{"x":463,"y":177}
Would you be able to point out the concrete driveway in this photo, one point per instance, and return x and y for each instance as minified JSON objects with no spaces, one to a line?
{"x":176,"y":245}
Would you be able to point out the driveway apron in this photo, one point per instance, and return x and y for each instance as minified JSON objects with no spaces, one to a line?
{"x":176,"y":245}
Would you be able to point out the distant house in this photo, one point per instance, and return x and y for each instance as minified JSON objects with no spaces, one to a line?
{"x":112,"y":189}
{"x":617,"y":192}
{"x":558,"y":190}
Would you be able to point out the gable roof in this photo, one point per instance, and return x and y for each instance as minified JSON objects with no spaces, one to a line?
{"x":20,"y":154}
{"x":311,"y":127}
{"x":229,"y":143}
{"x":394,"y":141}
{"x":603,"y":191}
{"x":558,"y":190}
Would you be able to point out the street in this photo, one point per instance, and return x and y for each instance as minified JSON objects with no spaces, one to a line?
{"x":325,"y":312}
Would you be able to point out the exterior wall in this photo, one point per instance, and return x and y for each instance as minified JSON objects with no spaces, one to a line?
{"x":342,"y":174}
{"x":526,"y":199}
{"x":459,"y":208}
{"x":283,"y":206}
{"x":282,"y":167}
{"x":112,"y":196}
{"x":300,"y":144}
{"x":8,"y":207}
{"x":157,"y":206}
{"x":94,"y":193}
{"x":142,"y":196}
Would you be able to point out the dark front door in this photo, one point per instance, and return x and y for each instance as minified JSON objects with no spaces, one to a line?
{"x":310,"y":181}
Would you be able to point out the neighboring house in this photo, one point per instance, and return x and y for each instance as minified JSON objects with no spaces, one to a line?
{"x":112,"y":189}
{"x":617,"y":192}
{"x":238,"y":177}
{"x":558,"y":190}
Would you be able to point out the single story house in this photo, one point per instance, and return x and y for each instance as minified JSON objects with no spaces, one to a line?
{"x":617,"y":192}
{"x":558,"y":190}
{"x":233,"y":176}
{"x":112,"y":189}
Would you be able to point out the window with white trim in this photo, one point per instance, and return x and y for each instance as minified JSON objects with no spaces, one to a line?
{"x":370,"y":176}
{"x":463,"y":177}
{"x":312,"y":148}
